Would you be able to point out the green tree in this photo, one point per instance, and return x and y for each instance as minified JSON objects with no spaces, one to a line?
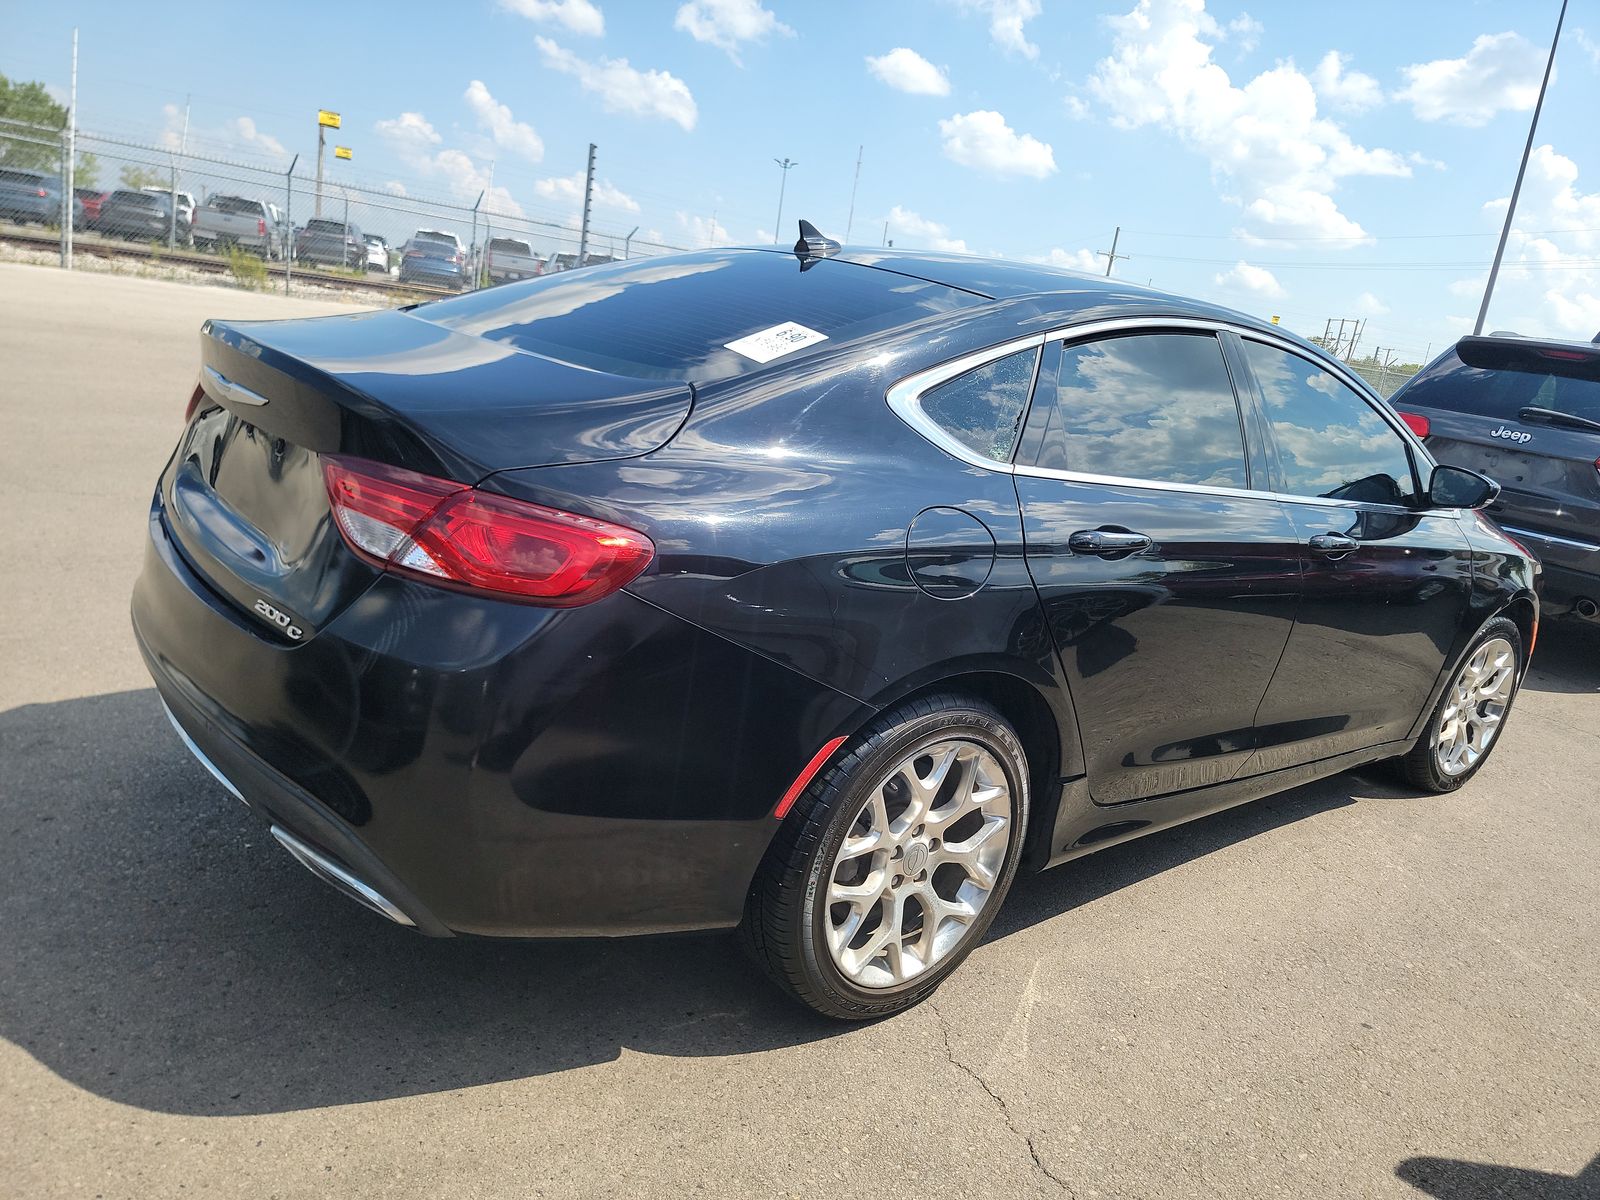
{"x":135,"y":177}
{"x":30,"y":127}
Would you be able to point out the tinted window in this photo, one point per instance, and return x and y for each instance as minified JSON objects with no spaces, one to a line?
{"x":1502,"y":393}
{"x":236,"y":204}
{"x":510,"y":246}
{"x":1152,"y":406}
{"x":320,"y":226}
{"x":672,"y":318}
{"x":983,"y":408}
{"x":1331,"y":442}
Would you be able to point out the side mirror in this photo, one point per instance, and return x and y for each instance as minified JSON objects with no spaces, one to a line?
{"x":1457,"y":487}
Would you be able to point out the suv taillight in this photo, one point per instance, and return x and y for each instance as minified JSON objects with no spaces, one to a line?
{"x":457,"y":536}
{"x":1417,"y":423}
{"x":261,"y":226}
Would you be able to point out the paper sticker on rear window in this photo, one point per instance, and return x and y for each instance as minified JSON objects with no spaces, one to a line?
{"x":773,"y":343}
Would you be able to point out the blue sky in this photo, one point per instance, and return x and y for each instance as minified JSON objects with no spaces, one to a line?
{"x":1312,"y":161}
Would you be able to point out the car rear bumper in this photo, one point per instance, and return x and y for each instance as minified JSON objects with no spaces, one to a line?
{"x":494,"y":768}
{"x":1571,"y":567}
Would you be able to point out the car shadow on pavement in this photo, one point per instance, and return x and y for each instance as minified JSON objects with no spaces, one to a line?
{"x":1566,"y":658}
{"x":1453,"y":1179}
{"x":159,"y":950}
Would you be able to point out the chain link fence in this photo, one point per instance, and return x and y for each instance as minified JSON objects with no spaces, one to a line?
{"x":274,"y":225}
{"x":1383,"y":379}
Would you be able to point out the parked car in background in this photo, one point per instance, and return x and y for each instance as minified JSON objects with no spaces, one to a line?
{"x":331,"y":243}
{"x":434,"y":257}
{"x":377,"y":253}
{"x":142,"y":216}
{"x":567,"y":261}
{"x":706,"y":592}
{"x":91,"y":199}
{"x":253,"y":225}
{"x":1525,"y":412}
{"x":511,"y":258}
{"x":28,"y":196}
{"x":185,"y":200}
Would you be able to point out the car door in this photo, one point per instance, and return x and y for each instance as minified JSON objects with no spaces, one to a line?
{"x":1387,"y":582}
{"x":1168,"y":580}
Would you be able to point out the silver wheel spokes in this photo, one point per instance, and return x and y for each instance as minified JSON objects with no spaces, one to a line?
{"x":918,"y":864}
{"x":1475,"y":706}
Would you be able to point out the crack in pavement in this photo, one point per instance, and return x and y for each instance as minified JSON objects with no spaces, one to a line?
{"x":1005,"y":1109}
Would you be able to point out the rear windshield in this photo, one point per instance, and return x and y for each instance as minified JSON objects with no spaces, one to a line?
{"x":29,"y":177}
{"x":144,"y":198}
{"x":316,"y":226}
{"x":1501,"y":393}
{"x":237,"y":204}
{"x":510,"y":246}
{"x":672,"y":318}
{"x":435,"y":239}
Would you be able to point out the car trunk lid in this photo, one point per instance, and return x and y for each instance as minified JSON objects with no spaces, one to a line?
{"x":245,"y":495}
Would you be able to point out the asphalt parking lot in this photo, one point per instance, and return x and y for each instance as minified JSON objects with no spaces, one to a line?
{"x":1346,"y":990}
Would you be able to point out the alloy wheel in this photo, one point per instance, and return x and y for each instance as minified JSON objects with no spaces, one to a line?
{"x":918,"y":864}
{"x":1476,"y":705}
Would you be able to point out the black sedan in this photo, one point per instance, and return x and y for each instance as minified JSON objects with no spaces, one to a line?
{"x":814,"y":593}
{"x":142,"y":217}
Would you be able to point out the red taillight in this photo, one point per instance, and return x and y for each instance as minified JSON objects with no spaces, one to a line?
{"x":261,"y":226}
{"x":456,"y":536}
{"x":1417,"y":423}
{"x":1566,"y":355}
{"x":42,"y":192}
{"x":194,"y":404}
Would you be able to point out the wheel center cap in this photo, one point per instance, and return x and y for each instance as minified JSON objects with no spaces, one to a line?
{"x":916,"y":858}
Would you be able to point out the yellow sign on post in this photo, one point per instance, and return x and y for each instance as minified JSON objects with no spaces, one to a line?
{"x":342,"y":152}
{"x":330,"y":119}
{"x":1274,"y":318}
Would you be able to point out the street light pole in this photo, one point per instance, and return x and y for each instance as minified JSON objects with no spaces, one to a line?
{"x":783,"y":180}
{"x":1516,"y":189}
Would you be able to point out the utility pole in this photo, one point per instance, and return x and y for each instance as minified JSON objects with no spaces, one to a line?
{"x":321,"y":138}
{"x":289,"y":241}
{"x":885,"y":233}
{"x":1111,"y":255}
{"x":1516,"y":189}
{"x":172,"y":192}
{"x":851,"y":220}
{"x":627,"y":243}
{"x":783,"y":179}
{"x":1360,"y":328}
{"x":72,"y":159}
{"x":588,"y":197}
{"x":472,"y":252}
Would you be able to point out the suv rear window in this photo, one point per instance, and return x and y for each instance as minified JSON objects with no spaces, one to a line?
{"x":673,"y":318}
{"x":510,"y":246}
{"x":1503,"y":390}
{"x":32,"y":178}
{"x":237,"y":204}
{"x":318,"y":226}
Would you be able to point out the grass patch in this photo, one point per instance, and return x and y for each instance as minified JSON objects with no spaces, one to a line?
{"x":247,"y":269}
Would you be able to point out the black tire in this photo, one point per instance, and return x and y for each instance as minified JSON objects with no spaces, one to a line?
{"x":784,"y":915}
{"x":1420,"y":764}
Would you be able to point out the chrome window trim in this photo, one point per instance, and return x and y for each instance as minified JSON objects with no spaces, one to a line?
{"x":905,"y":398}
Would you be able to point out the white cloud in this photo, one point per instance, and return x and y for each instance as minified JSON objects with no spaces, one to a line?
{"x":983,"y":141}
{"x":1500,"y":73}
{"x":1247,"y":277}
{"x":1280,"y":159}
{"x":577,"y":16}
{"x":238,"y":136}
{"x":907,"y":71}
{"x":1007,"y":22}
{"x":1588,"y":45}
{"x":1073,"y":260}
{"x":904,"y":224}
{"x":1548,"y":284}
{"x":251,"y":136}
{"x":509,"y":134}
{"x":412,"y":137}
{"x":727,"y":24}
{"x":1368,"y":305}
{"x":1077,"y":107}
{"x":567,"y":190}
{"x":1351,"y":91}
{"x":1246,"y":32}
{"x":621,"y":88}
{"x":395,"y":188}
{"x":703,"y":231}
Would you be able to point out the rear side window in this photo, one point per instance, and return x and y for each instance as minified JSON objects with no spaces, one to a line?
{"x":1502,"y":393}
{"x":1154,"y":406}
{"x":1330,"y":441}
{"x":674,"y":318}
{"x":983,"y":408}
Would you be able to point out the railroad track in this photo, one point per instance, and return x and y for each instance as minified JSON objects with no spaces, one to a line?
{"x":207,"y":263}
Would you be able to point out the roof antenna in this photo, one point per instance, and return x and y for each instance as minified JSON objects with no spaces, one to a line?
{"x":813,"y":244}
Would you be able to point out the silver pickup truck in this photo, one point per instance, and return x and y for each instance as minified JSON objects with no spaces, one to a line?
{"x":512,"y":258}
{"x":253,"y":225}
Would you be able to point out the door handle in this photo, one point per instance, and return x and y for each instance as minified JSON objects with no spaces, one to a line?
{"x":1108,"y":541}
{"x":1333,"y":543}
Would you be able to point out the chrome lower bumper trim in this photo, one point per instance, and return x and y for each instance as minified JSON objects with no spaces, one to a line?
{"x":200,"y":756}
{"x":331,"y":872}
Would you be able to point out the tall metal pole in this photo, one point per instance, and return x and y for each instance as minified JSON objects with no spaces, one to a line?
{"x":321,"y":134}
{"x":588,"y":198}
{"x":627,"y":242}
{"x":289,"y":246}
{"x":851,"y":219}
{"x":1516,"y":190}
{"x":472,"y":253}
{"x":1111,"y":255}
{"x":72,"y":157}
{"x":777,"y":226}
